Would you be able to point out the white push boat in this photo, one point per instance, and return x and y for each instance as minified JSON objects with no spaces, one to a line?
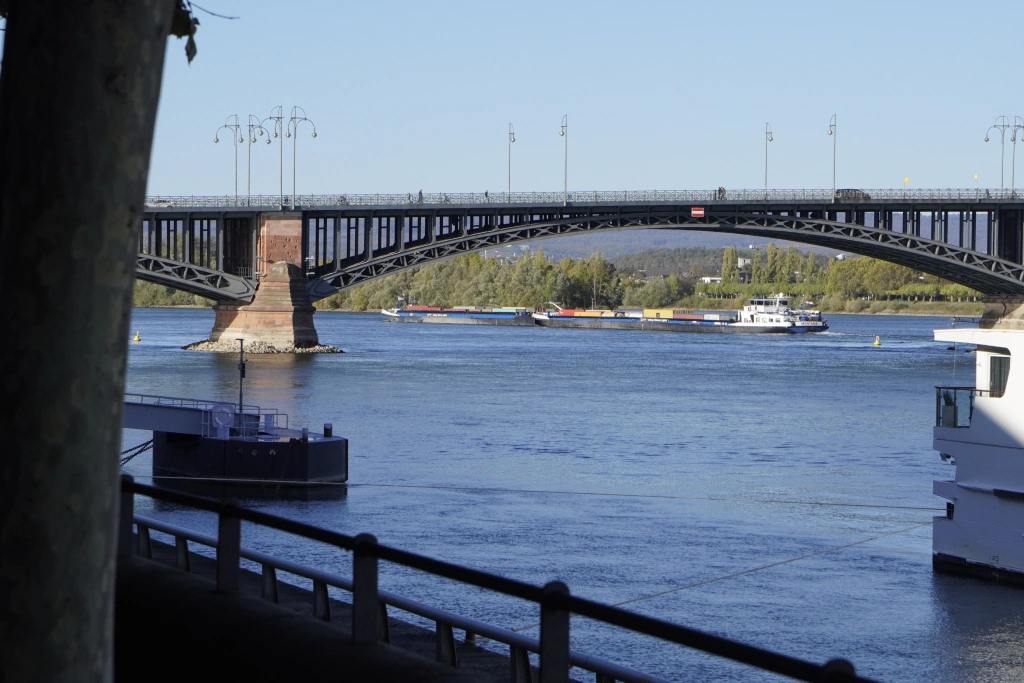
{"x":775,"y":315}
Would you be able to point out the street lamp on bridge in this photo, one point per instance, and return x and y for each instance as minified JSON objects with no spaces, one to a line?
{"x":231,"y":123}
{"x":564,"y":132}
{"x":293,"y":131}
{"x":277,"y":116}
{"x":832,"y":132}
{"x":1002,"y":124}
{"x":511,"y":139}
{"x":255,"y":128}
{"x":1018,"y":129}
{"x":767,"y":138}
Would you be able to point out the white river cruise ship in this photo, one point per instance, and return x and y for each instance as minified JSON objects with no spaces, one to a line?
{"x":980,"y":430}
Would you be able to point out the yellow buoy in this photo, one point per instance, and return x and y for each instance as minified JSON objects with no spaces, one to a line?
{"x":878,"y":340}
{"x":137,"y":337}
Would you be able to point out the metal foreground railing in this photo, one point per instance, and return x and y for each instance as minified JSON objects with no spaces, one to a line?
{"x":435,"y":199}
{"x":369,"y":604}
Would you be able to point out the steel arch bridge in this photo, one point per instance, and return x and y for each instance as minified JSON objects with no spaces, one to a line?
{"x":970,"y":237}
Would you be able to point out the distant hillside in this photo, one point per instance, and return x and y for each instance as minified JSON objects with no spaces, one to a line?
{"x":697,"y":261}
{"x":621,"y":242}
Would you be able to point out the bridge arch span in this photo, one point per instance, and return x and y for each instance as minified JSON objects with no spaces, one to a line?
{"x":988,"y":274}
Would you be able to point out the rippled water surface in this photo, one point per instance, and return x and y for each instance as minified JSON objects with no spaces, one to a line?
{"x":773,"y":489}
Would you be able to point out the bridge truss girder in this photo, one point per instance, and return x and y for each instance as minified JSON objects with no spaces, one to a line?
{"x":187,"y":277}
{"x":985,"y":273}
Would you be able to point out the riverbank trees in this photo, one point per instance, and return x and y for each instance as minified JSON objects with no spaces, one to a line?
{"x":150,"y":294}
{"x":472,"y":280}
{"x":851,"y":284}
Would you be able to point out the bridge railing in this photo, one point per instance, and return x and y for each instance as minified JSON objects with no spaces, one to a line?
{"x":711,"y":197}
{"x":555,"y":601}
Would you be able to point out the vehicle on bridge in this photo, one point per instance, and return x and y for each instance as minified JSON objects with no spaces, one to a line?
{"x":850,"y":195}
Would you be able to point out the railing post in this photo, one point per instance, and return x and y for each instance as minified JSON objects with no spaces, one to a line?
{"x":384,"y":628}
{"x":838,"y":670}
{"x":229,"y":544}
{"x":181,"y":555}
{"x":444,"y":650}
{"x":554,"y":634}
{"x":127,"y":518}
{"x":519,"y":659}
{"x":321,"y":601}
{"x":270,"y":583}
{"x":364,"y":590}
{"x":145,"y":543}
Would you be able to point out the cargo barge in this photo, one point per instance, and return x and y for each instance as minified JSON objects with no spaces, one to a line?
{"x":760,"y":316}
{"x":459,"y":315}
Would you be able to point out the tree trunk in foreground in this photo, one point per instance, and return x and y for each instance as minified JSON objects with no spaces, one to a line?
{"x":78,"y":97}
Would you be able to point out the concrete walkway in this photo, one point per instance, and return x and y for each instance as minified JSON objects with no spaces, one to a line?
{"x":170,"y":625}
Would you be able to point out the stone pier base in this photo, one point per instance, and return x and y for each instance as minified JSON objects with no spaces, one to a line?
{"x":1003,"y":313}
{"x":280,"y":318}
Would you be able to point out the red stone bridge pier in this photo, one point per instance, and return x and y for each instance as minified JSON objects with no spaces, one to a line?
{"x":281,"y":314}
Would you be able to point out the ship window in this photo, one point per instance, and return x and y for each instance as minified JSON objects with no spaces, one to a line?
{"x":999,"y":371}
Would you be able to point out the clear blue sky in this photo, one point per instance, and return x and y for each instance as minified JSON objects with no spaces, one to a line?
{"x":660,"y":95}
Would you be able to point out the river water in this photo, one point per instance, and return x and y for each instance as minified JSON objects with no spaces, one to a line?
{"x":772,"y":489}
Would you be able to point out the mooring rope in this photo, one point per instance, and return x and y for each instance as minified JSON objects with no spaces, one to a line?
{"x":135,"y":450}
{"x":747,"y":571}
{"x":491,"y":489}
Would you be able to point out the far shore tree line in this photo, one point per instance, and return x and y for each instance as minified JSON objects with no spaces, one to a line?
{"x":851,"y":284}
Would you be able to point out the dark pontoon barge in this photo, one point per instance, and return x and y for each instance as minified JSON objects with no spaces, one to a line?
{"x":214,"y":440}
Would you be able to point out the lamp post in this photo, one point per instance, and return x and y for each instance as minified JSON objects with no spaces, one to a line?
{"x":277,"y":117}
{"x":511,"y":139}
{"x":255,"y":128}
{"x":832,"y":132}
{"x":231,"y":123}
{"x":977,"y":186}
{"x":1002,"y":124}
{"x":298,"y":116}
{"x":241,"y":380}
{"x":564,"y":132}
{"x":905,"y":181}
{"x":767,"y":138}
{"x":1018,"y":129}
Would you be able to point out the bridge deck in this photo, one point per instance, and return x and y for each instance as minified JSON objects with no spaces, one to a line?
{"x":970,"y":236}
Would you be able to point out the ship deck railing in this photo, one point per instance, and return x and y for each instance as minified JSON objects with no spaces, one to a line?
{"x":954,"y":406}
{"x":369,"y":604}
{"x":248,"y":422}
